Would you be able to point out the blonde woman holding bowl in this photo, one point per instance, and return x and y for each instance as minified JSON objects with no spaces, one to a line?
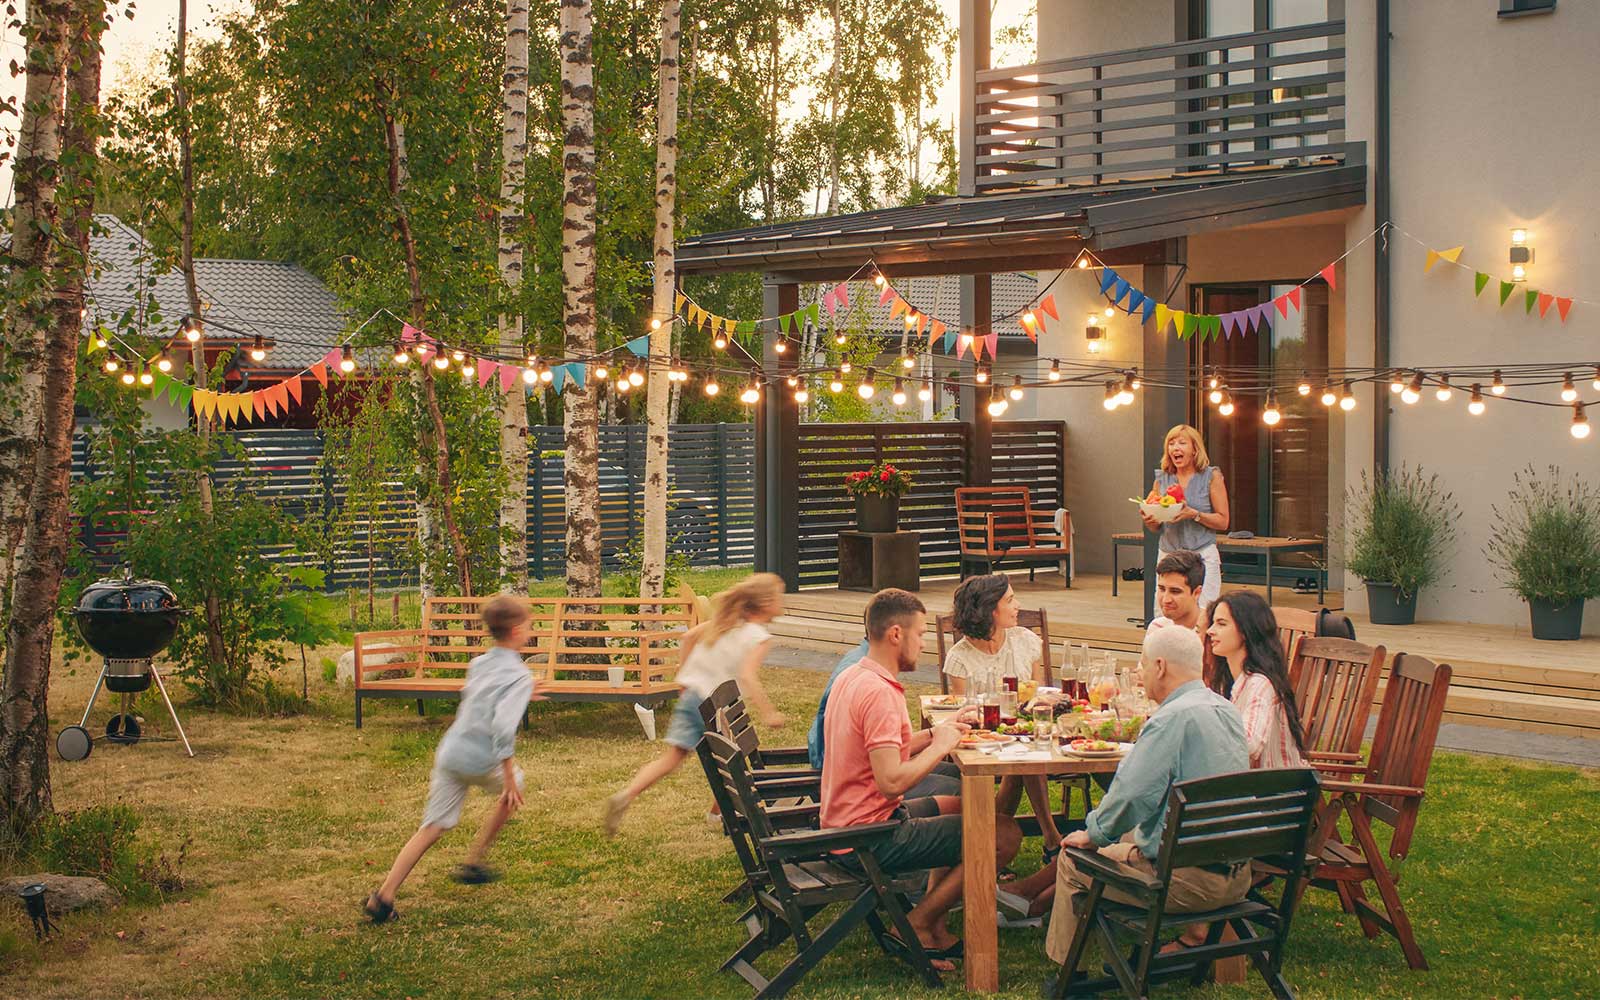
{"x":1184,"y":463}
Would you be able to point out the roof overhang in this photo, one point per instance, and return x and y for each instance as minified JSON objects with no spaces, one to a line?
{"x":1122,"y":224}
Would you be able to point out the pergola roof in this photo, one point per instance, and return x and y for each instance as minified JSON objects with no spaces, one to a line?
{"x":1124,"y":223}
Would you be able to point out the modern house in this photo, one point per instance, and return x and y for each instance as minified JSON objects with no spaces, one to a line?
{"x":1219,"y":155}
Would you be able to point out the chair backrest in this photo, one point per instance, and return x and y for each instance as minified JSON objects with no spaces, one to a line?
{"x":1035,"y":621}
{"x":1402,"y":746}
{"x":724,"y":712}
{"x":453,"y":632}
{"x":1335,"y":682}
{"x":994,"y":517}
{"x":733,"y":819}
{"x":1230,"y":818}
{"x":1292,"y":624}
{"x":749,"y":810}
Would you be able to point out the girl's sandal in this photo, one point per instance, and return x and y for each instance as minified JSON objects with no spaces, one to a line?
{"x":378,"y":911}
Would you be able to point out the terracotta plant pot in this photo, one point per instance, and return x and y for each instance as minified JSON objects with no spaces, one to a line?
{"x":1386,"y":606}
{"x":1551,"y":622}
{"x":877,"y":513}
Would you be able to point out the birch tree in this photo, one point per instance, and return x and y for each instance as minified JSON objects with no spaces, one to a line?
{"x":513,"y":406}
{"x":581,"y":414}
{"x":653,"y":568}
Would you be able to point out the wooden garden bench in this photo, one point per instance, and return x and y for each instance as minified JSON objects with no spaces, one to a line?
{"x":573,"y":645}
{"x":997,"y":523}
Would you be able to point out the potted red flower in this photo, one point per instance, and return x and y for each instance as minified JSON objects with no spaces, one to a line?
{"x":878,"y":491}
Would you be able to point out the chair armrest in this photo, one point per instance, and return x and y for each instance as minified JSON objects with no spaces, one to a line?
{"x":787,"y":756}
{"x":1370,"y":788}
{"x":813,"y":843}
{"x":789,"y":788}
{"x":1097,"y":865}
{"x":1338,"y":768}
{"x":790,"y":817}
{"x":789,"y":775}
{"x":1333,"y":755}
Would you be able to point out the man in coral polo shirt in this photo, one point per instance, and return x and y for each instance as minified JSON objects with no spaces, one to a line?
{"x":874,"y":758}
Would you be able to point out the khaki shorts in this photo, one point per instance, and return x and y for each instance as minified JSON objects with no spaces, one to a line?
{"x":447,"y":790}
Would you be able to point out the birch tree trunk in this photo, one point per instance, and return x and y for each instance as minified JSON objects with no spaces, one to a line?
{"x":213,"y":612}
{"x":30,"y":630}
{"x":580,"y":414}
{"x":833,"y":111}
{"x":513,"y":405}
{"x":435,"y":443}
{"x":653,"y":568}
{"x":29,"y":309}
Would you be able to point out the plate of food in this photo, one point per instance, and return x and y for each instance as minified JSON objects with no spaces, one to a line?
{"x":944,"y":701}
{"x":1096,"y":749}
{"x":977,"y":739}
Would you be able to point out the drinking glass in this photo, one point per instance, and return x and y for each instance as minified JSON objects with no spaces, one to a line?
{"x":1043,"y":716}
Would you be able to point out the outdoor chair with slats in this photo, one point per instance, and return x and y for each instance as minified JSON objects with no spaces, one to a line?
{"x":1335,"y":682}
{"x":997,"y":523}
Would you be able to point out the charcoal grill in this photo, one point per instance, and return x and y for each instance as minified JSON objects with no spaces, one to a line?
{"x":126,"y":621}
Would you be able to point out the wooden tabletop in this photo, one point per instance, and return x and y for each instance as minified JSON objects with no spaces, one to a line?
{"x":979,"y":762}
{"x":1258,"y":542}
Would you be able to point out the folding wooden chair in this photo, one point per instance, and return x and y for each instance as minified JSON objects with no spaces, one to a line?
{"x":1390,"y":791}
{"x":772,"y":769}
{"x":1226,"y":819}
{"x":794,"y":876}
{"x":1335,"y":682}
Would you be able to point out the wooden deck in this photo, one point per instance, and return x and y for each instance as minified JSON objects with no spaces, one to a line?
{"x":1503,"y":676}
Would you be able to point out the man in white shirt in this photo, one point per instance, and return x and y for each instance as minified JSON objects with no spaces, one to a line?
{"x":1179,"y":577}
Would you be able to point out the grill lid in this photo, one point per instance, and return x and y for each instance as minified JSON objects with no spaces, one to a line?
{"x":126,"y":619}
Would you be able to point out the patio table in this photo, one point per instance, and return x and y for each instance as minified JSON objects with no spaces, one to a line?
{"x":1263,"y":545}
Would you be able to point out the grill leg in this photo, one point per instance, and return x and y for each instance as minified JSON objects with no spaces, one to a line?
{"x":93,"y":695}
{"x":172,"y":711}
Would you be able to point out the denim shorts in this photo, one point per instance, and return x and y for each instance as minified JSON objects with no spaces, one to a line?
{"x":686,"y":727}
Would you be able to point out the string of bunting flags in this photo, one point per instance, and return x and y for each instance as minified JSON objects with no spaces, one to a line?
{"x":1531,"y":297}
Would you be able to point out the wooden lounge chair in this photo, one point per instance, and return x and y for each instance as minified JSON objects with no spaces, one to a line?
{"x":997,"y":523}
{"x":1227,"y":819}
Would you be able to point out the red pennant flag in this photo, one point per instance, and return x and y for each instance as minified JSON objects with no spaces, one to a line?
{"x":319,"y":371}
{"x":408,"y":333}
{"x":1294,"y":296}
{"x":293,"y":387}
{"x":994,"y":342}
{"x":1048,"y":305}
{"x":508,"y":377}
{"x":1563,"y":306}
{"x":1328,"y":276}
{"x":1282,"y":302}
{"x":934,"y":330}
{"x":1545,"y":302}
{"x":888,"y":293}
{"x":486,"y":371}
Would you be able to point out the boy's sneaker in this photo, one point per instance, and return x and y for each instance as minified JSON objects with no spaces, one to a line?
{"x":616,"y":808}
{"x":470,"y":874}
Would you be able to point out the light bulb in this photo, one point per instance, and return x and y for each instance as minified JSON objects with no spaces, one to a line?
{"x":1329,"y":397}
{"x":347,"y":359}
{"x":145,"y":378}
{"x":1596,"y":382}
{"x":791,"y":381}
{"x":997,"y":407}
{"x":1028,"y":318}
{"x":877,"y":279}
{"x":112,"y":364}
{"x":908,"y":362}
{"x":655,"y":324}
{"x":1215,"y":395}
{"x":1125,"y":394}
{"x":1083,"y":262}
{"x":622,"y":386}
{"x":1212,"y":382}
{"x":128,"y":377}
{"x":911,"y":320}
{"x":1110,"y":312}
{"x":163,"y":363}
{"x":601,"y":373}
{"x":441,"y":362}
{"x":1054,"y":374}
{"x":1397,"y":382}
{"x":1304,"y":388}
{"x":1519,"y":236}
{"x":636,"y":378}
{"x":1580,"y":422}
{"x":844,"y":368}
{"x":100,"y":340}
{"x":468,"y":370}
{"x":1444,"y":392}
{"x":782,"y":346}
{"x":720,"y":342}
{"x":865,"y":390}
{"x":839,"y":338}
{"x":926,"y":392}
{"x":1226,"y":406}
{"x":191,"y":330}
{"x":751,"y":395}
{"x":1498,"y":386}
{"x":801,"y":395}
{"x":981,"y":376}
{"x":529,"y":376}
{"x":1110,"y":402}
{"x":1094,"y":344}
{"x":899,"y":396}
{"x":837,"y":385}
{"x":1519,"y":273}
{"x":966,"y":343}
{"x":458,"y":356}
{"x":1270,"y":416}
{"x":1569,"y":392}
{"x":1413,"y":391}
{"x":1347,"y":399}
{"x":712,"y":388}
{"x":258,"y":349}
{"x":401,"y":356}
{"x":1475,"y":404}
{"x":1015,"y":392}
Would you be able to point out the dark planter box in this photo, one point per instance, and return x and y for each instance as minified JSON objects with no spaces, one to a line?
{"x":1551,"y":622}
{"x":1386,"y":607}
{"x":877,"y":513}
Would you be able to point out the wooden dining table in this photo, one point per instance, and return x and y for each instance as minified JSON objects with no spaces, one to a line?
{"x":978,"y":773}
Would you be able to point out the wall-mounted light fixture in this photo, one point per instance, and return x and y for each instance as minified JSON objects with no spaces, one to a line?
{"x":1521,"y":254}
{"x":1095,"y":334}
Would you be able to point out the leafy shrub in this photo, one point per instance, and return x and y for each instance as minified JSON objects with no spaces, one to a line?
{"x":1400,"y":525}
{"x":630,"y":565}
{"x":1546,"y":543}
{"x":101,"y":841}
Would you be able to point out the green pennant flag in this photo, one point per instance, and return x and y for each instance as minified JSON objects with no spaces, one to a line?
{"x":159,"y":385}
{"x":1506,"y":288}
{"x":1478,"y":281}
{"x":745,"y":326}
{"x":783,"y":322}
{"x":1214,"y":327}
{"x":814,"y":313}
{"x":1191,"y":324}
{"x":1530,"y":296}
{"x":182,"y":392}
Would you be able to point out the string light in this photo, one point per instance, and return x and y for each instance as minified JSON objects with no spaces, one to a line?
{"x":800,"y":394}
{"x":601,"y":373}
{"x":1270,"y":416}
{"x":997,"y":406}
{"x":911,"y":320}
{"x":347,"y":359}
{"x":981,"y":375}
{"x":128,"y":377}
{"x":1569,"y":392}
{"x":1125,"y":394}
{"x":844,"y":367}
{"x":145,"y":378}
{"x":867,"y":387}
{"x":1475,"y":404}
{"x":1226,"y":406}
{"x":530,"y":376}
{"x":1212,"y":382}
{"x":1083,"y":262}
{"x":839,"y":338}
{"x":966,"y":342}
{"x":655,"y":324}
{"x":190,"y":329}
{"x":1215,"y":395}
{"x":1328,"y":397}
{"x":1015,"y":392}
{"x":1498,"y":386}
{"x":1443,"y":393}
{"x":1110,"y":312}
{"x":926,"y":392}
{"x":1580,"y":422}
{"x":1028,"y":318}
{"x":712,"y":388}
{"x":441,"y":362}
{"x":1304,"y":388}
{"x":1397,"y":381}
{"x":899,"y":396}
{"x":100,"y":340}
{"x":458,"y":356}
{"x":636,"y":378}
{"x":782,"y":346}
{"x":468,"y":369}
{"x":1054,"y":374}
{"x":163,"y":363}
{"x":258,"y":349}
{"x":751,"y":395}
{"x":1137,"y":383}
{"x":720,"y":341}
{"x":877,"y":279}
{"x":837,"y":385}
{"x":1347,"y":399}
{"x":1110,"y":402}
{"x":1412,"y":392}
{"x":1597,"y":377}
{"x":908,"y":362}
{"x":401,"y":355}
{"x":623,"y":386}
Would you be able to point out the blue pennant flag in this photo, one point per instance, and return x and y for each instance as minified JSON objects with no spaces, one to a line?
{"x":558,"y":377}
{"x":640,"y":346}
{"x":1149,"y":308}
{"x":576,"y":371}
{"x":949,"y":339}
{"x":1119,"y":289}
{"x":1108,"y":277}
{"x":1135,"y":301}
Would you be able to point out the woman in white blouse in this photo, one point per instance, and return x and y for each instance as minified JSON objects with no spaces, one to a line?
{"x":1250,"y":671}
{"x":993,"y":647}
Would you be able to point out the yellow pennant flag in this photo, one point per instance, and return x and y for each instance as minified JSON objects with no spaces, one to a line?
{"x":1453,"y":255}
{"x":201,"y":401}
{"x":1177,"y":320}
{"x":677,"y":303}
{"x":1163,"y":313}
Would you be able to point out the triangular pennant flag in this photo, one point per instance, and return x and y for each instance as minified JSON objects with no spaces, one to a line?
{"x":1108,"y":277}
{"x":1433,"y":258}
{"x":1529,"y":298}
{"x":1478,"y":281}
{"x":1180,"y":323}
{"x":1228,"y":319}
{"x":508,"y":377}
{"x":486,"y":369}
{"x":949,"y":340}
{"x":293,"y":385}
{"x":743,"y":326}
{"x":1294,"y":296}
{"x":558,"y":377}
{"x":1047,"y":305}
{"x":1135,"y":301}
{"x":577,"y":371}
{"x":934,"y":330}
{"x":1264,"y":315}
{"x":1215,"y":324}
{"x":1162,"y":315}
{"x":1149,"y":308}
{"x":842,"y":294}
{"x":993,"y":340}
{"x":182,"y":393}
{"x":1327,"y":274}
{"x":1545,"y":302}
{"x":200,"y":400}
{"x":94,"y":341}
{"x":886,"y":294}
{"x":408,"y":333}
{"x":1452,"y":255}
{"x":640,"y":346}
{"x":814,"y":314}
{"x":159,"y":385}
{"x":678,"y":301}
{"x":283,"y":397}
{"x":922,"y":323}
{"x":898,"y":306}
{"x":1030,"y":326}
{"x":977,"y":348}
{"x":331,"y":359}
{"x":268,"y":395}
{"x":1119,"y":289}
{"x":1282,"y":303}
{"x":827,"y":300}
{"x":1506,"y":288}
{"x":784,"y":321}
{"x":1563,"y":306}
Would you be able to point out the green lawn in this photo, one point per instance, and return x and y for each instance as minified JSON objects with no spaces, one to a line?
{"x":291,"y":821}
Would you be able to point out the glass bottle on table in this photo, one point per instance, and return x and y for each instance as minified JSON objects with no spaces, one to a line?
{"x":1008,"y":701}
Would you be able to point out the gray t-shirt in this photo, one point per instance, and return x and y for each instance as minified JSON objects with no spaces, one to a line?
{"x":499,"y":686}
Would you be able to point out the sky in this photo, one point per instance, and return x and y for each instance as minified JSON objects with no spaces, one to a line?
{"x":130,"y":43}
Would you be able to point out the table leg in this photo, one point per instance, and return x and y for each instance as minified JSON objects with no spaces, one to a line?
{"x":981,"y":938}
{"x":1116,"y":571}
{"x":1269,"y":576}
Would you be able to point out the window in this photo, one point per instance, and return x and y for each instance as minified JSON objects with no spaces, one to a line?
{"x":1520,"y":8}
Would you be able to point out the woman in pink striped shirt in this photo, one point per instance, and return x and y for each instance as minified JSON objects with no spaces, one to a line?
{"x":1250,"y":671}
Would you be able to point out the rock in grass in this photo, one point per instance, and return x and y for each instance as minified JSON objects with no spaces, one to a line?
{"x":64,"y":893}
{"x":374,"y":655}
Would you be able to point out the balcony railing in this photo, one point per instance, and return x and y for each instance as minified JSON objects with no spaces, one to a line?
{"x":1212,"y":108}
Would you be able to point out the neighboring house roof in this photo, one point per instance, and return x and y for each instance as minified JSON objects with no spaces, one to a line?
{"x":940,"y":298}
{"x":286,"y":304}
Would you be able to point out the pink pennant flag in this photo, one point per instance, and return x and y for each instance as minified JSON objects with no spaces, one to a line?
{"x":993,"y":341}
{"x":842,"y":294}
{"x":1228,"y":320}
{"x":1563,"y":306}
{"x":1294,"y":296}
{"x":486,"y":370}
{"x":408,"y":333}
{"x":827,"y":302}
{"x":1328,"y":276}
{"x":292,"y":386}
{"x":319,"y":371}
{"x":888,"y":293}
{"x":508,"y":377}
{"x":1282,"y":302}
{"x":331,"y":359}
